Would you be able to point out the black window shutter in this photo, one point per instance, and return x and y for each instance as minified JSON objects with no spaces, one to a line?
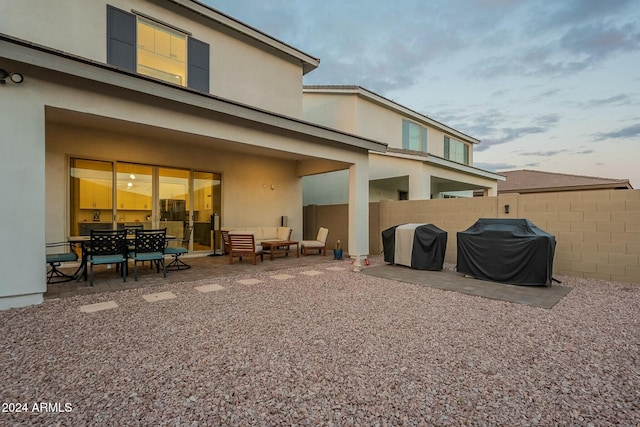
{"x":121,"y":38}
{"x":198,"y":68}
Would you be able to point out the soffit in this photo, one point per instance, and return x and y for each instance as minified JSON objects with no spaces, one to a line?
{"x":440,"y":162}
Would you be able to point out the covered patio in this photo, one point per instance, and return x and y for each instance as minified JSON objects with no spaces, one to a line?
{"x":75,"y":112}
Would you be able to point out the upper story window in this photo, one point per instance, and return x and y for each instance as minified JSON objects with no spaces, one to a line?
{"x":162,"y":52}
{"x":456,"y":150}
{"x":141,"y":45}
{"x":414,"y":136}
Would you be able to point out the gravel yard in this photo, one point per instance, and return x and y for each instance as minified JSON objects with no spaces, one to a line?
{"x":335,"y":348}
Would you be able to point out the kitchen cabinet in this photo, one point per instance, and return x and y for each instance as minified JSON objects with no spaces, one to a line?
{"x":125,"y":199}
{"x":142,"y":202}
{"x":130,"y":200}
{"x":95,"y":194}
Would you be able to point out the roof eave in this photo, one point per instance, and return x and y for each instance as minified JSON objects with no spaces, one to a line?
{"x":388,"y":103}
{"x":441,"y":162}
{"x":309,"y":63}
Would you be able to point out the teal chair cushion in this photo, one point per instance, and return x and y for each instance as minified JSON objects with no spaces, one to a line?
{"x":105,"y":259}
{"x":147,"y":256}
{"x":64,"y":257}
{"x":175,"y":250}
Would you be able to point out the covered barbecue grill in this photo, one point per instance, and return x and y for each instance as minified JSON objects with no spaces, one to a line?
{"x":419,"y":246}
{"x":512,"y":251}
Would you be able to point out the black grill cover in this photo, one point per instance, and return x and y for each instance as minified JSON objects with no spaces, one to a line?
{"x":512,"y":251}
{"x":426,"y":247}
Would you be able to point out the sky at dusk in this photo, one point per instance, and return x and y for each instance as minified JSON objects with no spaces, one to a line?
{"x":545,"y":85}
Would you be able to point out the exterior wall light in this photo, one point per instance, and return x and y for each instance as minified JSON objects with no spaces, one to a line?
{"x":15,"y":77}
{"x":506,"y":209}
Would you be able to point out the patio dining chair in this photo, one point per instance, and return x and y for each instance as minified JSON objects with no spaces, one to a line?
{"x":181,"y":249}
{"x":57,"y":253}
{"x":108,"y":247}
{"x":149,"y":246}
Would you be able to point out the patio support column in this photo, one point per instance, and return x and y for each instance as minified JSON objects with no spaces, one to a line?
{"x":419,"y":184}
{"x":22,"y":185}
{"x":359,"y":208}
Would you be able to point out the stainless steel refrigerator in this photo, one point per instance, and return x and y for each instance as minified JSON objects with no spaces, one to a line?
{"x":173,"y":210}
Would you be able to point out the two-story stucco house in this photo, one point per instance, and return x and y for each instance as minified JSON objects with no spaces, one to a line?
{"x":154,"y":111}
{"x":425,"y":159}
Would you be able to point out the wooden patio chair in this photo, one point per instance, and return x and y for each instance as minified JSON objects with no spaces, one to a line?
{"x":243,"y":243}
{"x":225,"y":240}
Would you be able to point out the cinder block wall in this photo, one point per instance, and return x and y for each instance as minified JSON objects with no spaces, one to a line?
{"x":597,"y":232}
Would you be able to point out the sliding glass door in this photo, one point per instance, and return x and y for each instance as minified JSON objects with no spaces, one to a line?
{"x":134,"y":191}
{"x":174,"y":200}
{"x":206,"y":210}
{"x":91,"y":188}
{"x":106,"y":195}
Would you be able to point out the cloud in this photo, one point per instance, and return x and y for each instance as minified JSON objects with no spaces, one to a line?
{"x":548,"y":120}
{"x":615,"y":100}
{"x":495,"y":166}
{"x":624,"y":133}
{"x":549,"y":153}
{"x":598,"y":41}
{"x":509,"y":135}
{"x":389,"y":46}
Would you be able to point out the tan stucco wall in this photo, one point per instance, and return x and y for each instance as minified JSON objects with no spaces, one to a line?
{"x":352,"y":113}
{"x":239,"y":70}
{"x":334,"y":111}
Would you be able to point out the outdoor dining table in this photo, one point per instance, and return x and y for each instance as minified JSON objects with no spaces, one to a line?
{"x":83,"y":241}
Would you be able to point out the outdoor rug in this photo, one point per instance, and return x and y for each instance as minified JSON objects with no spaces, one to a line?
{"x":537,"y":296}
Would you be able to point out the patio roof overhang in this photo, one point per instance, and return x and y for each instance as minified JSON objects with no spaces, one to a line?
{"x":37,"y":61}
{"x":444,"y":163}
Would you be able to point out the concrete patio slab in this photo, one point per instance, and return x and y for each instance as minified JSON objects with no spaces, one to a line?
{"x":209,"y":288}
{"x":537,"y":296}
{"x":311,"y":273}
{"x":160,"y":296}
{"x":92,"y":308}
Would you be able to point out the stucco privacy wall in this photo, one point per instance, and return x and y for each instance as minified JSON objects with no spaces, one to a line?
{"x":597,"y":232}
{"x":335,"y":218}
